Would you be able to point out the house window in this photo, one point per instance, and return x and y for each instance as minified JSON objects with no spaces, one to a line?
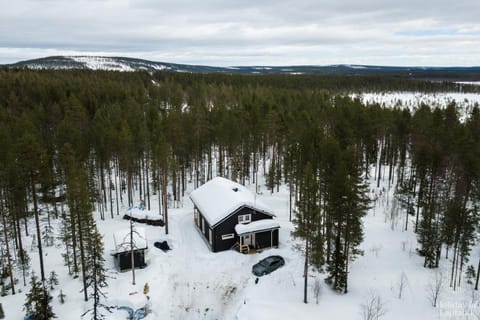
{"x":228,"y":236}
{"x":196,"y":217}
{"x":245,"y":218}
{"x":203,"y":225}
{"x":210,"y":236}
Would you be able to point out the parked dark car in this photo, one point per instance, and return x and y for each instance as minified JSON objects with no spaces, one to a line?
{"x":267,"y":265}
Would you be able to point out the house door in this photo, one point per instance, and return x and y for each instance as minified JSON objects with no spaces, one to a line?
{"x":249,"y":239}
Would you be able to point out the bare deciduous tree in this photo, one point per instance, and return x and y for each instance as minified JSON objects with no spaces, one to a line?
{"x":316,"y":290}
{"x":404,"y":246}
{"x":373,"y":308}
{"x":376,"y":249}
{"x":402,"y":283}
{"x":434,"y":288}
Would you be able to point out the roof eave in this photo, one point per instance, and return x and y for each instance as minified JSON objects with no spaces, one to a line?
{"x":258,"y":231}
{"x":239,"y":208}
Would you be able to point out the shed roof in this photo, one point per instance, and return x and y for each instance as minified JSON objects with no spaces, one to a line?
{"x":139,"y":212}
{"x":220,"y":197}
{"x":121,"y":239}
{"x":256,"y":226}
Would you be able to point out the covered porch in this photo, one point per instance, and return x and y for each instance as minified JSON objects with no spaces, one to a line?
{"x":257,"y":235}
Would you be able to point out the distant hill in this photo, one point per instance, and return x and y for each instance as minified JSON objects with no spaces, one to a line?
{"x":132,"y":64}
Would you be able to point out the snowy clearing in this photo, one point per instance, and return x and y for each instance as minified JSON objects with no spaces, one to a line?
{"x":190,"y":282}
{"x":412,"y":100}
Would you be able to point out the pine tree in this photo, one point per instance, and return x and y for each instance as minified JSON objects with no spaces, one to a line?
{"x":161,"y":159}
{"x":405,"y":194}
{"x":80,"y":205}
{"x":308,"y":213}
{"x":7,"y":268}
{"x":23,"y":264}
{"x":31,"y":155}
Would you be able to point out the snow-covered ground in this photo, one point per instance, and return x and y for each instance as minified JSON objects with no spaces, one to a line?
{"x":464,"y":101}
{"x":473,"y":83}
{"x":101,"y":63}
{"x":190,"y":282}
{"x":114,"y":64}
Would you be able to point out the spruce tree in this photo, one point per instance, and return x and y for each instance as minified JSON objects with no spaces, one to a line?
{"x":347,"y":203}
{"x":96,"y":275}
{"x":38,"y":299}
{"x":52,"y":280}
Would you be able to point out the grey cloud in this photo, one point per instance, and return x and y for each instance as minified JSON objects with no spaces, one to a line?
{"x":245,"y":32}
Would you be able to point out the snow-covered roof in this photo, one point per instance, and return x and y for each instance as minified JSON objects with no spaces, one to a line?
{"x":220,"y":197}
{"x":121,"y":239}
{"x":255,"y":226}
{"x":140,"y":212}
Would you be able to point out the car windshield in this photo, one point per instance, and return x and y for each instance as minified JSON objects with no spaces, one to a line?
{"x":264,"y":263}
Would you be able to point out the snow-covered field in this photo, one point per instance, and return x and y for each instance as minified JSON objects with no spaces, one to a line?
{"x":190,"y":282}
{"x":473,"y":83}
{"x":464,"y":101}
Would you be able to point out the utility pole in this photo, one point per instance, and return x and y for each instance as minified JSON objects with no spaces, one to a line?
{"x":131,"y":249}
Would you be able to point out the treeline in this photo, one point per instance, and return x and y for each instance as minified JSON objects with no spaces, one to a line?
{"x":331,"y":83}
{"x":76,"y":142}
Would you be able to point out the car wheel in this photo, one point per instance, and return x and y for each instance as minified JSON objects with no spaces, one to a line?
{"x":264,"y":273}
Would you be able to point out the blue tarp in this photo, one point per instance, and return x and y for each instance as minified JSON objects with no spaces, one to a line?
{"x":137,"y":315}
{"x":136,"y":207}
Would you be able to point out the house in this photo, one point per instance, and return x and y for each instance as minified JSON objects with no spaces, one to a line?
{"x":228,"y":215}
{"x":122,"y":252}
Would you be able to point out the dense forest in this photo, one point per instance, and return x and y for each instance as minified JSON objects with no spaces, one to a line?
{"x":75,"y":143}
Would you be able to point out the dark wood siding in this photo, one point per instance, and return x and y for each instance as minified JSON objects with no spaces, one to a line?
{"x":227,"y":226}
{"x":206,"y":228}
{"x":124,"y":260}
{"x":221,"y":245}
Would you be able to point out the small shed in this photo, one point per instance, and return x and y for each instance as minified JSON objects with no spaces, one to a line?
{"x":228,"y":215}
{"x":122,"y":253}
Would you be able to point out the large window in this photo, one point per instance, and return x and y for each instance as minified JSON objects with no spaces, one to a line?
{"x":228,"y":236}
{"x":245,"y":218}
{"x":210,"y":236}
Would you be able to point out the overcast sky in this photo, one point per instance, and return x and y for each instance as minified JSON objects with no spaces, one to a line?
{"x":246,"y":32}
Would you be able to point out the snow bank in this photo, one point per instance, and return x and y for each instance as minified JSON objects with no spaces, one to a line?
{"x":256,"y":226}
